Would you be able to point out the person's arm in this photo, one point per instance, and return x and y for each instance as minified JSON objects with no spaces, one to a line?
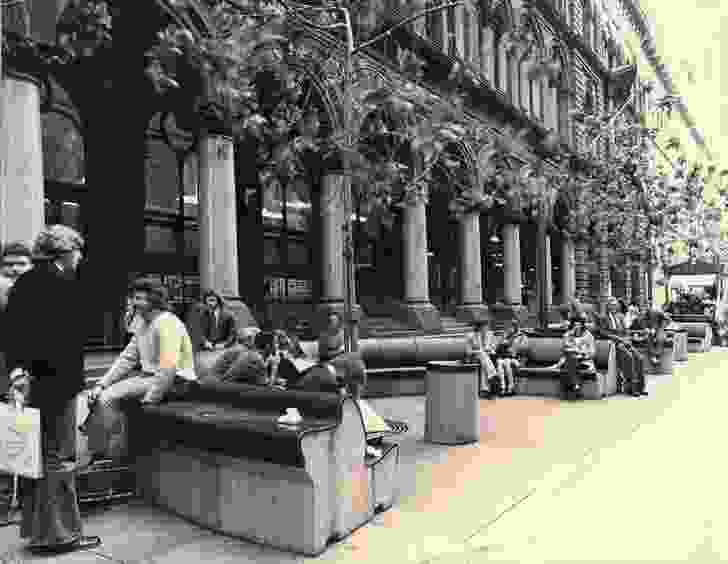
{"x":127,"y":361}
{"x":231,"y":330}
{"x":590,"y":346}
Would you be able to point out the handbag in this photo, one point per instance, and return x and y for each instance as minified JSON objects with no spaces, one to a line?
{"x":20,"y":441}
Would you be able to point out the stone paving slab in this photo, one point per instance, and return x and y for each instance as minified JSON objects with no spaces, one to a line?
{"x":447,"y":494}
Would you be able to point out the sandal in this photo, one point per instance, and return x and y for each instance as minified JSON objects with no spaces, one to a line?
{"x":81,"y":543}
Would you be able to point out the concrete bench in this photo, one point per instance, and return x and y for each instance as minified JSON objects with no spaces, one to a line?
{"x":700,"y":335}
{"x":536,"y":379}
{"x":397,"y":366}
{"x":219,"y":458}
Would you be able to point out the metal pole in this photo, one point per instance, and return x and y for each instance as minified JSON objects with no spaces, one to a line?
{"x":541,"y":265}
{"x":350,"y":343}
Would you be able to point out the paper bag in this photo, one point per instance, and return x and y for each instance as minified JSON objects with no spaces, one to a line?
{"x":20,"y":441}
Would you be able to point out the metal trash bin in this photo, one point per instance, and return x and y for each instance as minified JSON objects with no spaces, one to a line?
{"x":680,"y":346}
{"x":452,"y":409}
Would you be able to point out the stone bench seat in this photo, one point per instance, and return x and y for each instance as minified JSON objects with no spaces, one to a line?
{"x":700,"y":335}
{"x":219,"y":457}
{"x":397,"y":366}
{"x":536,"y":378}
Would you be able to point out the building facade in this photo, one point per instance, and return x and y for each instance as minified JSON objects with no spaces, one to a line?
{"x":91,"y":145}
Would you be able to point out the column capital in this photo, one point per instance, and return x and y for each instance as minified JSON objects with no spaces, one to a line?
{"x":415,"y":196}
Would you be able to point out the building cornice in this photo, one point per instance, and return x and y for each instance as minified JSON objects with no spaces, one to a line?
{"x":647,"y":44}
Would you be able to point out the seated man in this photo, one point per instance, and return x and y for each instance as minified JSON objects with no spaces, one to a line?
{"x":158,"y":358}
{"x":629,"y":361}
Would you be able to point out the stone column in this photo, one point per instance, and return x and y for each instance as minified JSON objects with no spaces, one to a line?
{"x":567,"y":270}
{"x":218,"y":223}
{"x":420,"y":311}
{"x":641,"y":289}
{"x":22,"y":210}
{"x":512,"y":263}
{"x":471,"y":276}
{"x":416,"y":280}
{"x":628,"y":278}
{"x":549,"y":290}
{"x":582,"y":282}
{"x":332,"y":241}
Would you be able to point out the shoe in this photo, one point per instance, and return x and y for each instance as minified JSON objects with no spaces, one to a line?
{"x":644,"y":393}
{"x":81,"y":543}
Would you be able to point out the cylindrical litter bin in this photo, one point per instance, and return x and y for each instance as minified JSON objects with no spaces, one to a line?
{"x":680,"y":346}
{"x":452,"y":414}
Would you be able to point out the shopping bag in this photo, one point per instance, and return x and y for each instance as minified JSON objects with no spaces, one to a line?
{"x":20,"y":441}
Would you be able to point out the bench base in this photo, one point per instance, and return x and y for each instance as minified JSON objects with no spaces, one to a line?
{"x":266,"y":503}
{"x":386,"y":382}
{"x":550,"y":386}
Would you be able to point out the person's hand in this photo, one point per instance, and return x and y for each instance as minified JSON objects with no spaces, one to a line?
{"x":19,"y":389}
{"x":93,"y":395}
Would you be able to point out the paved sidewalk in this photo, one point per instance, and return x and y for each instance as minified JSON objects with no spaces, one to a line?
{"x":464,"y":504}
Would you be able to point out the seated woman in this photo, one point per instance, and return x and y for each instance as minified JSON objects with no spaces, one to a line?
{"x":579,"y":350}
{"x":239,"y":363}
{"x":481,"y":345}
{"x":509,"y":353}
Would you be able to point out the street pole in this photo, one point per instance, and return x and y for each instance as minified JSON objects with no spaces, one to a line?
{"x":350,"y":340}
{"x":541,"y":265}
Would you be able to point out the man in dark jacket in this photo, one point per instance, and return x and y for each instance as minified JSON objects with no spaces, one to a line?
{"x":45,"y":355}
{"x":629,"y":361}
{"x":211,"y":325}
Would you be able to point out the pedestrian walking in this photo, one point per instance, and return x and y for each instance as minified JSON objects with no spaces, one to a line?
{"x":45,"y":352}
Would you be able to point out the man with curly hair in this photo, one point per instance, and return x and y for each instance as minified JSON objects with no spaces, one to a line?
{"x":45,"y":353}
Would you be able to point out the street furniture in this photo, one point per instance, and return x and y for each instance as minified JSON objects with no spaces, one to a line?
{"x":452,"y":408}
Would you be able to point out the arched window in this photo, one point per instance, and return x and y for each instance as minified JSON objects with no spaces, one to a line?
{"x":63,"y":149}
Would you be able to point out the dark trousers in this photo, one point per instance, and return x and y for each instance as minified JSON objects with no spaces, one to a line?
{"x":570,"y":375}
{"x":50,"y":505}
{"x":631,"y":368}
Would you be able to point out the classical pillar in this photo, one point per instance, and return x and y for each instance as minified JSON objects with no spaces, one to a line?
{"x":218,"y":223}
{"x":641,"y":284}
{"x":605,"y":286}
{"x":332,"y":241}
{"x":22,"y":211}
{"x":416,"y":281}
{"x":471,"y":277}
{"x":512,"y":264}
{"x":628,"y":278}
{"x":416,"y":274}
{"x":568,"y":279}
{"x":582,"y":283}
{"x":549,"y":290}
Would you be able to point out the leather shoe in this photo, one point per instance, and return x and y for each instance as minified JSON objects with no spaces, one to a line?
{"x":81,"y":543}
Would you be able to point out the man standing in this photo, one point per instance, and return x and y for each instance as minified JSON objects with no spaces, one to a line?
{"x":158,"y":358}
{"x":15,"y":260}
{"x":45,"y":353}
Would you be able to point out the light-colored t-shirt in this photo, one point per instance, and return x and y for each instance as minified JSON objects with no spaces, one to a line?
{"x":162,"y":343}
